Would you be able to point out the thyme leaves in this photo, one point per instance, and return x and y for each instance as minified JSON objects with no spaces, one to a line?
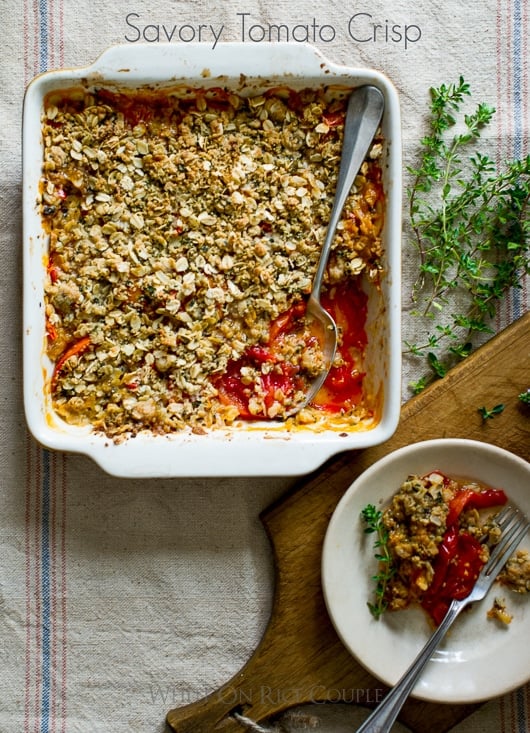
{"x":373,"y":520}
{"x":470,"y":228}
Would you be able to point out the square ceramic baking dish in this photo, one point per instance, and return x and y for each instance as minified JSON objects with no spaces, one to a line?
{"x":259,"y":448}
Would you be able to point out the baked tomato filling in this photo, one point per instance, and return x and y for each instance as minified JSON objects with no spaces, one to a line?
{"x":184,"y":229}
{"x":271,"y":379}
{"x":461,"y":555}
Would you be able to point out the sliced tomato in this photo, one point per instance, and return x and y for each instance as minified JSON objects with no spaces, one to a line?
{"x":471,"y":499}
{"x":75,"y":349}
{"x":334,"y":119}
{"x":458,"y":562}
{"x":458,"y":565}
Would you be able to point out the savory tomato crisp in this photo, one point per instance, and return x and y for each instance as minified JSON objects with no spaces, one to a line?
{"x":184,"y":231}
{"x":438,"y":529}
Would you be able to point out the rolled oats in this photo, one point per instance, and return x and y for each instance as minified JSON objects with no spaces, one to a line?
{"x":179,"y":228}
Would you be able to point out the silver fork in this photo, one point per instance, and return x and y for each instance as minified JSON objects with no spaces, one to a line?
{"x":514,"y":526}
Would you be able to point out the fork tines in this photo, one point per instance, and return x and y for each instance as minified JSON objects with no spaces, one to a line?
{"x":514,"y":526}
{"x":505,"y":515}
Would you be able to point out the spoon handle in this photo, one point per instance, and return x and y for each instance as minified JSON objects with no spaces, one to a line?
{"x":363,"y":115}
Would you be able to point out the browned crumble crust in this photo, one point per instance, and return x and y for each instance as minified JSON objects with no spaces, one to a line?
{"x":416,"y":524}
{"x":178,"y":230}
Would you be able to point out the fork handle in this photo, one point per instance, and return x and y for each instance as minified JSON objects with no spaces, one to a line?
{"x":385,"y":714}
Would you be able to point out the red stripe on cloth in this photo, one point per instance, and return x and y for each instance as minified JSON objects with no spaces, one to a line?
{"x":501,"y":107}
{"x":33,"y":605}
{"x":64,"y":628}
{"x":524,"y":72}
{"x":53,"y":591}
{"x":51,"y":36}
{"x":59,"y":41}
{"x":525,"y":94}
{"x":29,"y":594}
{"x":58,"y":493}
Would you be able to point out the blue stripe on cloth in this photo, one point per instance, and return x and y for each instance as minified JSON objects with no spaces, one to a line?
{"x":45,"y":516}
{"x":46,"y":620}
{"x":43,"y":35}
{"x":45,"y":593}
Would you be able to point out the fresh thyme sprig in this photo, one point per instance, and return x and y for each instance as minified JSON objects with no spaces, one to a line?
{"x":524,"y":397}
{"x":373,"y":519}
{"x":488,"y":413}
{"x":470,"y":224}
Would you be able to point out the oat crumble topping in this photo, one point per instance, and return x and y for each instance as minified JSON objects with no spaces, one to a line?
{"x":416,"y":521}
{"x":180,"y":228}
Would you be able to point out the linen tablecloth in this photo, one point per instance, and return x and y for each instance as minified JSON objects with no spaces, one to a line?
{"x":122,"y":599}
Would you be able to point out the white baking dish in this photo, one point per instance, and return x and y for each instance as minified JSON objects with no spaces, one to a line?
{"x":244,"y":450}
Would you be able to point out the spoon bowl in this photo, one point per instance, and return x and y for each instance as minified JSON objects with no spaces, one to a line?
{"x":324,"y":329}
{"x":363,"y":115}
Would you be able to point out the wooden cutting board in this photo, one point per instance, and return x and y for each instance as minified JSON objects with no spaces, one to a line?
{"x":300,"y":658}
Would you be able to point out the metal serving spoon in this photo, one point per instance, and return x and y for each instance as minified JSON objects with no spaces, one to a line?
{"x":363,"y":115}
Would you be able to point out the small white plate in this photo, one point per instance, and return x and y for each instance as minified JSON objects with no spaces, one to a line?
{"x":478,"y":659}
